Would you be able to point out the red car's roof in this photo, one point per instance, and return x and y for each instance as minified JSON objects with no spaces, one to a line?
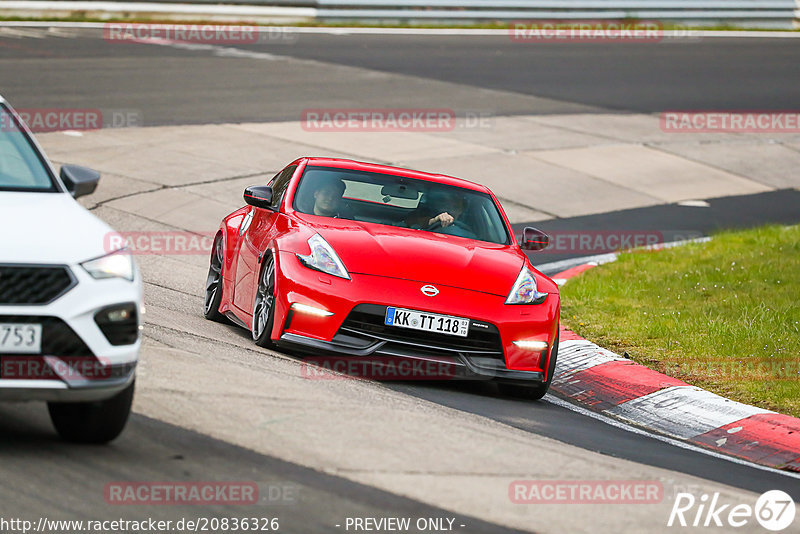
{"x":397,"y":171}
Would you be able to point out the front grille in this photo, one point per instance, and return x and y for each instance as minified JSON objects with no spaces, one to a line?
{"x":58,"y":339}
{"x":33,"y":284}
{"x":368,"y":319}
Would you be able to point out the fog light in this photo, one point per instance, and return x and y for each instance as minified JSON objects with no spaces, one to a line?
{"x":121,"y":314}
{"x":531,"y":345}
{"x":119,"y":323}
{"x":310,"y":310}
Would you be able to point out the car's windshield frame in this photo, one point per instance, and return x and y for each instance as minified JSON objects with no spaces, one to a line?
{"x":11,"y":121}
{"x":500,"y":222}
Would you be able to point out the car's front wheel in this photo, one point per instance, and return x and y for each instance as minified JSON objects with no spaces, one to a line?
{"x":92,"y":422}
{"x":264,"y":308}
{"x":524,"y":391}
{"x":214,"y":284}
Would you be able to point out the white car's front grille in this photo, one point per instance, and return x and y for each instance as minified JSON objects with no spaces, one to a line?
{"x":33,"y":284}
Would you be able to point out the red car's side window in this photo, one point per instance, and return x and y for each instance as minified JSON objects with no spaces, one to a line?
{"x":280,"y":183}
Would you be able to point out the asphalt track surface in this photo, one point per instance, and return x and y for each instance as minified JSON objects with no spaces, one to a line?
{"x":174,"y":86}
{"x":44,"y":476}
{"x":190,"y":86}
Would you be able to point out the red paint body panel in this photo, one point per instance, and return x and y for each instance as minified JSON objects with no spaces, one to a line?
{"x":369,"y":248}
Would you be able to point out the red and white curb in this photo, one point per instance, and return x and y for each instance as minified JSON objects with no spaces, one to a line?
{"x":612,"y":385}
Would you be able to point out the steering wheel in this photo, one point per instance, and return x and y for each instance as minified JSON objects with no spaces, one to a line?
{"x":458,"y":228}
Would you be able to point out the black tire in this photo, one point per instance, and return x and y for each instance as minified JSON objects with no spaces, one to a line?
{"x":264,"y":305}
{"x":214,"y":284}
{"x":92,"y":422}
{"x":524,"y":391}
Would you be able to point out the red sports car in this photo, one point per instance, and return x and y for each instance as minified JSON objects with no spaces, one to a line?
{"x":337,"y":258}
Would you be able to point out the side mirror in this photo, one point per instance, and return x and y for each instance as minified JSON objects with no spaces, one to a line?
{"x":79,"y":180}
{"x":534,"y":239}
{"x":259,"y":196}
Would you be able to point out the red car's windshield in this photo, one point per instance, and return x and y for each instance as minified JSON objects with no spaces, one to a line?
{"x":399,"y":201}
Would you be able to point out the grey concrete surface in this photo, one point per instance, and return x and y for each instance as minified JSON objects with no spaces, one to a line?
{"x":559,"y":180}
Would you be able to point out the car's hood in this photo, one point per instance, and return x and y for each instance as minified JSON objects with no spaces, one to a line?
{"x":425,"y":257}
{"x":48,"y":228}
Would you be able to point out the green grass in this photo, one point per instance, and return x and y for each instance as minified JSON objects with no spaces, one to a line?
{"x":722,"y":315}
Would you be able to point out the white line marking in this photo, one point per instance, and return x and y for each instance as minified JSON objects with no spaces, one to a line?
{"x":556,"y":267}
{"x":219,"y":51}
{"x":20,"y":33}
{"x":671,"y":441}
{"x":694,"y":203}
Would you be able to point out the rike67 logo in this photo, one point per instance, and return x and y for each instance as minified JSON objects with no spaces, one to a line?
{"x":774,"y":510}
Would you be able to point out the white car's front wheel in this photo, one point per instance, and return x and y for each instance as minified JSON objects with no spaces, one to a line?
{"x":92,"y":422}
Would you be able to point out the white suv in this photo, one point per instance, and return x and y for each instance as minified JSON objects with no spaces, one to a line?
{"x":69,"y":306}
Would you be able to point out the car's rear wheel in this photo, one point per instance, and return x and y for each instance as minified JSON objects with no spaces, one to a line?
{"x":524,"y":391}
{"x":92,"y":422}
{"x":214,"y":284}
{"x":264,"y":307}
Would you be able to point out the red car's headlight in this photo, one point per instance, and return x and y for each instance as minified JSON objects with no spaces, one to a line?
{"x":524,"y":290}
{"x":323,"y":258}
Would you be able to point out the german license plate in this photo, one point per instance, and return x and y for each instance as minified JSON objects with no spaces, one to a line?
{"x":23,"y":338}
{"x":428,"y":322}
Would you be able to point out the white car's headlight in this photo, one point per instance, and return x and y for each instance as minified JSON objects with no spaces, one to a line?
{"x":524,"y":290}
{"x":118,"y":264}
{"x":323,"y":258}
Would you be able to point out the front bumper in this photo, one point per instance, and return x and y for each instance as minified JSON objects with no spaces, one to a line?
{"x":78,"y":362}
{"x":345,"y":354}
{"x":358,"y":306}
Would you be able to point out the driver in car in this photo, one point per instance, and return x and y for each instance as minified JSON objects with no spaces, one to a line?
{"x":447,"y":207}
{"x":328,"y":200}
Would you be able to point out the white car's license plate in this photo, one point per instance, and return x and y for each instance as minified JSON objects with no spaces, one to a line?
{"x":429,"y":322}
{"x":22,"y":338}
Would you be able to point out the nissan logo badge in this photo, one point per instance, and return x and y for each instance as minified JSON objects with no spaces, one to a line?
{"x":429,"y":291}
